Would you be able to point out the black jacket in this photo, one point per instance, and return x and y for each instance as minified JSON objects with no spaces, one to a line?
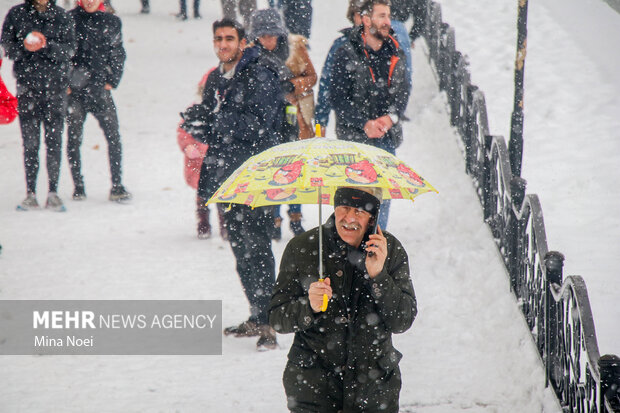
{"x":357,"y":342}
{"x":357,"y":98}
{"x":237,"y":119}
{"x":100,"y":56}
{"x":48,"y":68}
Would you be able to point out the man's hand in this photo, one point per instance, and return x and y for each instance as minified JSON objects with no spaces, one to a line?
{"x":35,"y":41}
{"x":378,"y":245}
{"x":108,"y":86}
{"x":316,"y":292}
{"x":376,"y":128}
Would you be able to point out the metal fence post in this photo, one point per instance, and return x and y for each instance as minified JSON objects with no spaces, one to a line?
{"x":554,"y":263}
{"x":515,"y":145}
{"x":609,"y":367}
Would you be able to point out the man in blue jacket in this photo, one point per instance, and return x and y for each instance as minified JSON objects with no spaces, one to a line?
{"x":238,"y":118}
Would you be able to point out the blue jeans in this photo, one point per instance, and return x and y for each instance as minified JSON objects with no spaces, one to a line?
{"x":402,"y":37}
{"x":292,"y":208}
{"x":384,"y":210}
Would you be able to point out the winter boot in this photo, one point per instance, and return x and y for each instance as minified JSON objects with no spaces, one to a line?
{"x":119,"y":194}
{"x":78,"y":193}
{"x":267,"y":338}
{"x":29,"y":203}
{"x":181,"y":16}
{"x":246,"y":329}
{"x":276,"y":233}
{"x":202,"y":213}
{"x":295,"y":222}
{"x":54,"y":203}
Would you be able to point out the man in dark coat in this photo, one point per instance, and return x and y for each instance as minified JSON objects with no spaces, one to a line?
{"x":237,"y":118}
{"x":368,"y":86}
{"x":40,"y":37}
{"x":97,"y":69}
{"x":343,"y":359}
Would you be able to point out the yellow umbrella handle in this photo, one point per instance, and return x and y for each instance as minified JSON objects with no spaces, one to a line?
{"x":317,"y":130}
{"x":325,"y":299}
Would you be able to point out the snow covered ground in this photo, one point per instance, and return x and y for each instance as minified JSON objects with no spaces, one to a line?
{"x":572,"y":118}
{"x":469,"y":349}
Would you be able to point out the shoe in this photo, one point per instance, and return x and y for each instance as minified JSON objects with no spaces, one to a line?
{"x":246,"y":329}
{"x":145,"y":10}
{"x":295,"y":222}
{"x":181,"y":16}
{"x":118,"y":193}
{"x":78,"y":193}
{"x":204,"y":228}
{"x":54,"y":203}
{"x":267,"y":339}
{"x":197,"y":16}
{"x":276,"y":232}
{"x":29,"y":203}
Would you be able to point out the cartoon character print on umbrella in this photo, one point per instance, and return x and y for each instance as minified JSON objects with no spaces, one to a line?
{"x":362,"y":172}
{"x":411,"y":177}
{"x":287,"y":174}
{"x":280,"y":195}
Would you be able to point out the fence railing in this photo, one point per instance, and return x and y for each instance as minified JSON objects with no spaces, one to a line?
{"x":556,"y":310}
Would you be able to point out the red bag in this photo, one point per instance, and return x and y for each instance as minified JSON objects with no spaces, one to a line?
{"x":8,"y":103}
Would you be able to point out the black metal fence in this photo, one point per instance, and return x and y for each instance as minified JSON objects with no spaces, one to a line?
{"x":556,"y":310}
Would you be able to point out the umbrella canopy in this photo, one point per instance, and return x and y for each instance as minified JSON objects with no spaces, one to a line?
{"x":311,"y":170}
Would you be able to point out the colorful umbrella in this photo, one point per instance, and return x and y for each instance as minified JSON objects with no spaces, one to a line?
{"x":310,"y":171}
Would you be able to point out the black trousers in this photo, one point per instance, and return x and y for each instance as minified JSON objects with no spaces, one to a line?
{"x":183,"y":4}
{"x":298,"y":16}
{"x":101,"y":105}
{"x":36,"y":109}
{"x":250,"y":240}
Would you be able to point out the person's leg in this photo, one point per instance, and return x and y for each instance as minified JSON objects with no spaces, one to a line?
{"x":145,"y":7}
{"x":197,"y":9}
{"x":249,"y":239}
{"x":295,"y":216}
{"x":229,"y":9}
{"x":202,"y":213}
{"x":400,"y":31}
{"x":54,"y":121}
{"x":76,"y":115}
{"x":298,"y":16}
{"x":183,"y":9}
{"x":246,"y":8}
{"x":108,"y":121}
{"x":30,"y":126}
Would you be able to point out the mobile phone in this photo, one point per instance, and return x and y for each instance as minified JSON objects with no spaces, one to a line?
{"x":372,"y":229}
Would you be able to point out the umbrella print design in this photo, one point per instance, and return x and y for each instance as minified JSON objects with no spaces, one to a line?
{"x":361,"y":173}
{"x":287,"y":174}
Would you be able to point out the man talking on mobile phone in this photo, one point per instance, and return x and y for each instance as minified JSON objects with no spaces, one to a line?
{"x":343,"y":359}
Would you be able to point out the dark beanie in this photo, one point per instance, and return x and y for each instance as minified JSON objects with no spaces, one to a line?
{"x":357,"y":198}
{"x":266,"y":22}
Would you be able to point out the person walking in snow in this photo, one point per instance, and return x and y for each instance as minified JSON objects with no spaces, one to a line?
{"x":97,"y":69}
{"x":246,"y":8}
{"x":288,"y":55}
{"x":368,"y":87}
{"x":40,"y":37}
{"x":343,"y":359}
{"x":238,"y":118}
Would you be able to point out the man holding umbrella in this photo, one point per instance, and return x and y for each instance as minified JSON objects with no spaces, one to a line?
{"x":237,"y":118}
{"x":343,"y":359}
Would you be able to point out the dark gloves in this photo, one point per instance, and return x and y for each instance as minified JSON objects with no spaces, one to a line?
{"x":196,"y":122}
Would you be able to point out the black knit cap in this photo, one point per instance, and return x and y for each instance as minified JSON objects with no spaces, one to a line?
{"x":357,"y":198}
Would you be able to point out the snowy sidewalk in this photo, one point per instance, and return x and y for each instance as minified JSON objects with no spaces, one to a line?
{"x":468,"y":350}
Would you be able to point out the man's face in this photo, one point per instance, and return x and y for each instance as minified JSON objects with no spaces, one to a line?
{"x":227,"y":45}
{"x":351,"y":224}
{"x":378,"y":22}
{"x":91,"y":6}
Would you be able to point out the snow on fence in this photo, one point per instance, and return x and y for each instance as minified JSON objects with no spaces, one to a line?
{"x":556,"y":310}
